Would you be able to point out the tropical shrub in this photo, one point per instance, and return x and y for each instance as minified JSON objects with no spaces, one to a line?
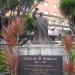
{"x":11,"y":35}
{"x":2,"y":61}
{"x":73,"y":56}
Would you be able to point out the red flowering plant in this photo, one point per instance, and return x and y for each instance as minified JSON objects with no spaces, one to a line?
{"x":11,"y":35}
{"x":67,"y":40}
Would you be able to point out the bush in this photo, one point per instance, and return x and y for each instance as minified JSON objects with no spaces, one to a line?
{"x":73,"y":55}
{"x":2,"y":62}
{"x":30,"y":23}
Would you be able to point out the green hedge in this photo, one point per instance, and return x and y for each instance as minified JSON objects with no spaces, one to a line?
{"x":2,"y":62}
{"x":73,"y":56}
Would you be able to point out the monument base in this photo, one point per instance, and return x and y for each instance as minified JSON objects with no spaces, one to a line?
{"x":42,"y":49}
{"x":42,"y":59}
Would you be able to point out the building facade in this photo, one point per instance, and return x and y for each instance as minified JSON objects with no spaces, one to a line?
{"x":57,"y":23}
{"x":50,"y":7}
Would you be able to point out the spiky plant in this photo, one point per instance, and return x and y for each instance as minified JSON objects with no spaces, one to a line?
{"x":68,"y":43}
{"x":68,"y":48}
{"x":11,"y":35}
{"x":13,"y":31}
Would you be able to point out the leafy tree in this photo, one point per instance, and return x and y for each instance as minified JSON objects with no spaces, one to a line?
{"x":67,"y":8}
{"x":6,"y":5}
{"x":30,"y":23}
{"x":28,"y":3}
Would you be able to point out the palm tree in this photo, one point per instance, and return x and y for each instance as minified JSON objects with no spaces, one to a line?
{"x":67,"y":8}
{"x":6,"y":5}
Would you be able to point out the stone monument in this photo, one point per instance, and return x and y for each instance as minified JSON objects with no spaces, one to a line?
{"x":41,"y":31}
{"x":41,"y":58}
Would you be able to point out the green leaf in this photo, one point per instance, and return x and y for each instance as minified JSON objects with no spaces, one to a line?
{"x":2,"y":61}
{"x":73,"y":56}
{"x":30,"y":23}
{"x":67,"y":7}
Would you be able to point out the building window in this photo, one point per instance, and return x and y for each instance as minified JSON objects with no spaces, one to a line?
{"x":55,"y":14}
{"x":50,"y":22}
{"x":46,"y":4}
{"x":46,"y":12}
{"x":55,"y":6}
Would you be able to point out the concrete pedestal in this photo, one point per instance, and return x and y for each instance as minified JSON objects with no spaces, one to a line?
{"x":42,"y":49}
